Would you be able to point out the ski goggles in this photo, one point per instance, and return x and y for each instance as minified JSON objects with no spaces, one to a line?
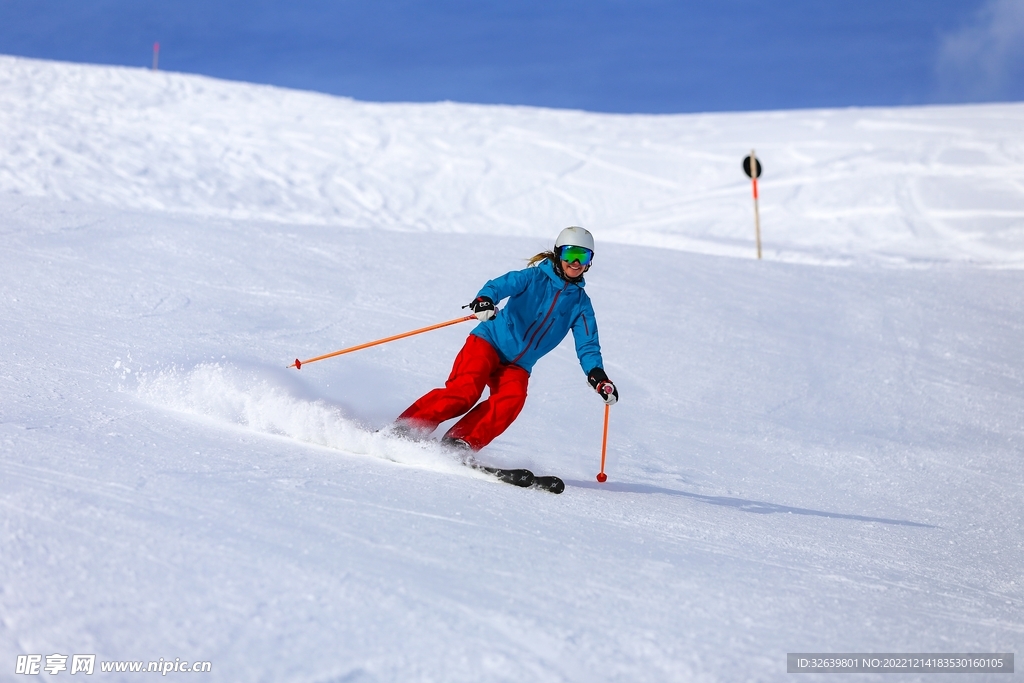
{"x":581,"y":255}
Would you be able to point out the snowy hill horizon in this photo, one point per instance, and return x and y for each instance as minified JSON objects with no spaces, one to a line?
{"x":816,"y":452}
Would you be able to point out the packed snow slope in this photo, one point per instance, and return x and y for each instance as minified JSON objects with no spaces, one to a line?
{"x":911,"y":185}
{"x":805,"y":457}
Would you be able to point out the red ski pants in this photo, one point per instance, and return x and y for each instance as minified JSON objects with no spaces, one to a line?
{"x":477,"y":366}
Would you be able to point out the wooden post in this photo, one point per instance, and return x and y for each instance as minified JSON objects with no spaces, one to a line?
{"x":757,"y":214}
{"x":156,"y":56}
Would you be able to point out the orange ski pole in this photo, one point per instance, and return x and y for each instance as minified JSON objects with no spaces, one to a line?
{"x":299,"y":363}
{"x":601,"y":476}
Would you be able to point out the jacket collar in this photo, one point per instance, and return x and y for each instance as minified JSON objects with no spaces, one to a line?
{"x":548,"y":267}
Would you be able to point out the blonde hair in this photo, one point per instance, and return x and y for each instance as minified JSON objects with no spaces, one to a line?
{"x":549,"y":255}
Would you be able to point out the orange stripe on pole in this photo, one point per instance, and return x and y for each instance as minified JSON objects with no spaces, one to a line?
{"x":602,"y":477}
{"x":299,"y":363}
{"x":757,"y":212}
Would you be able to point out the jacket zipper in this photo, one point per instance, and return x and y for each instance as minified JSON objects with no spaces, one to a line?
{"x":537,"y":345}
{"x":546,"y":316}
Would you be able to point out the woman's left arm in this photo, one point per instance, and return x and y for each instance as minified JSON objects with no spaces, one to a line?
{"x":584,"y":333}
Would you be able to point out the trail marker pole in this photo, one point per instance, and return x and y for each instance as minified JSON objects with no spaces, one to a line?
{"x":299,"y":363}
{"x":752,"y":167}
{"x":156,"y":55}
{"x":601,"y":476}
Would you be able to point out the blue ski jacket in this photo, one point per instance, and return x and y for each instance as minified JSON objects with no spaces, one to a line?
{"x":541,"y":309}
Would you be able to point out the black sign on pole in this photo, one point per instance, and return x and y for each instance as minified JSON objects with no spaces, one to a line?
{"x":746,"y":166}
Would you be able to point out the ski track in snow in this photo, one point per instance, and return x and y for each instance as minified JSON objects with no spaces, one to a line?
{"x":805,"y":457}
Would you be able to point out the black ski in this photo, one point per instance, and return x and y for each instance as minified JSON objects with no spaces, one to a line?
{"x":517,"y":477}
{"x":522,"y":478}
{"x":549,"y":484}
{"x":525,"y":479}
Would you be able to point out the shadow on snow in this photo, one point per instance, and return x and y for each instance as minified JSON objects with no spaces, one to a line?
{"x":756,"y":506}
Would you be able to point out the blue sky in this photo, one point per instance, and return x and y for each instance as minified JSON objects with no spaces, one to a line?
{"x":600,"y":55}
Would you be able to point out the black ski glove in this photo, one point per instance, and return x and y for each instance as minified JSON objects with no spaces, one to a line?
{"x":603,"y":386}
{"x":483,"y":308}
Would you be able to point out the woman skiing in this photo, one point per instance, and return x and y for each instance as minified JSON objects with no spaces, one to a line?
{"x":545,"y":301}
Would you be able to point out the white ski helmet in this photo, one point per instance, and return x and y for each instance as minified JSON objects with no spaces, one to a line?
{"x":574,"y":236}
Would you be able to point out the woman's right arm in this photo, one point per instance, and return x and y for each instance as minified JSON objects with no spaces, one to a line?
{"x":508,"y":284}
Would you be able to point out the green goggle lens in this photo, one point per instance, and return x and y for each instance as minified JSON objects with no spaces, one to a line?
{"x":581,"y":255}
